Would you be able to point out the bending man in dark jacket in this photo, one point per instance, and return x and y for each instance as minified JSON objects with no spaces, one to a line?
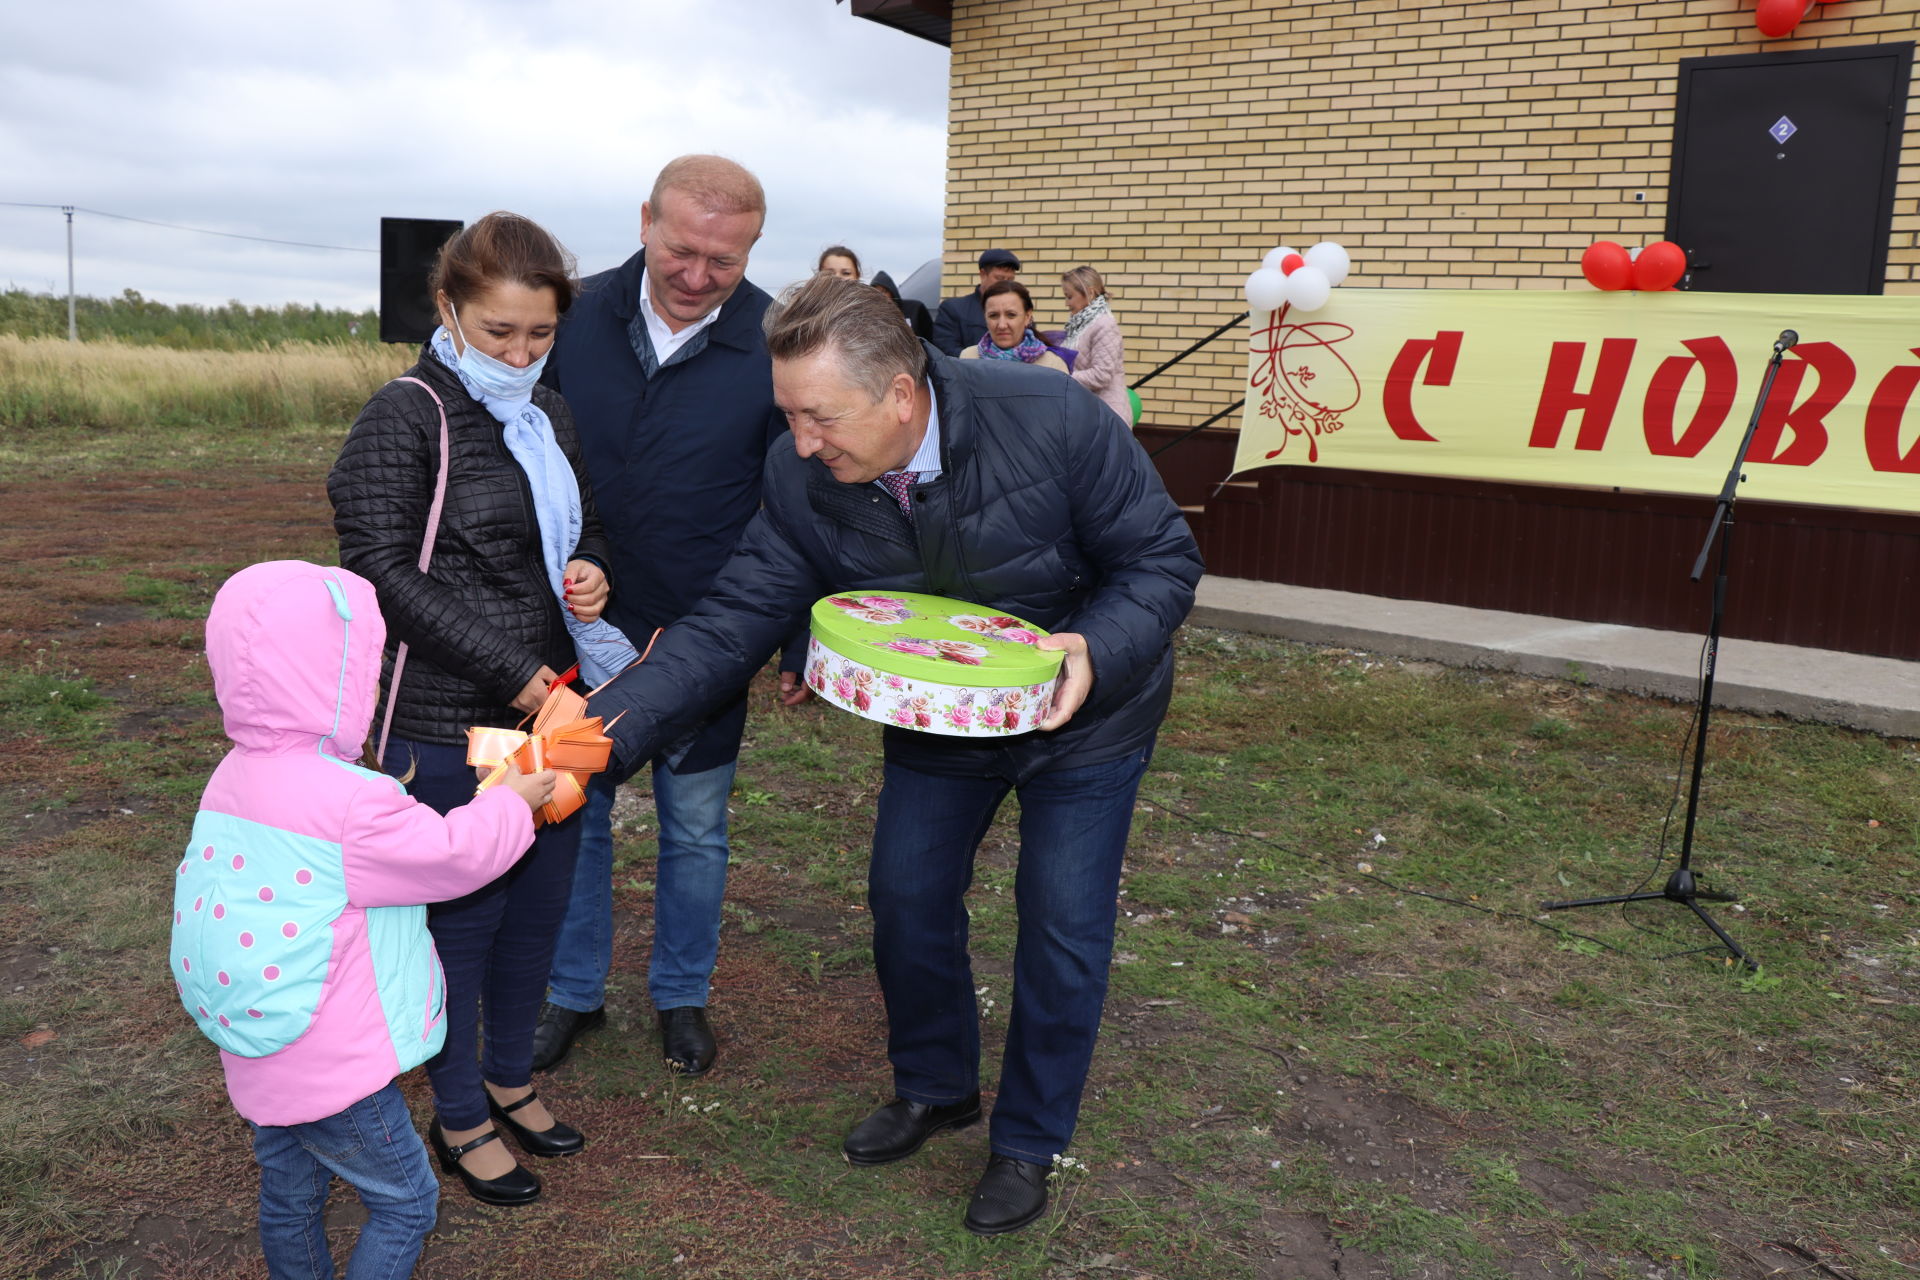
{"x":1023,"y":493}
{"x":665,"y":368}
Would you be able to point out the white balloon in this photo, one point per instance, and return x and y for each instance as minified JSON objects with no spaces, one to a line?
{"x":1633,"y":254}
{"x":1308,"y":289}
{"x":1276,"y":256}
{"x":1330,"y":260}
{"x":1266,"y":289}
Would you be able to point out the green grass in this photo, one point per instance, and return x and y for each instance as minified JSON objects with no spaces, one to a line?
{"x":1497,"y":1189}
{"x":59,"y":707}
{"x":168,"y":598}
{"x":1649,"y":1223}
{"x":1403,"y":1231}
{"x":1330,"y":923}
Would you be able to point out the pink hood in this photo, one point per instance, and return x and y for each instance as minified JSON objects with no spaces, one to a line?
{"x":295,"y":652}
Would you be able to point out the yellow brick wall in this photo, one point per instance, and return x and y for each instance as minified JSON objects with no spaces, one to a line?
{"x":1170,"y":143}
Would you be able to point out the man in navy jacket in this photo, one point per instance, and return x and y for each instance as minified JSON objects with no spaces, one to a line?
{"x":962,"y":320}
{"x":1013,"y":488}
{"x":664,"y":366}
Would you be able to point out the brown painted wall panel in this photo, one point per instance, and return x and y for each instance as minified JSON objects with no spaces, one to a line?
{"x":1821,"y":577}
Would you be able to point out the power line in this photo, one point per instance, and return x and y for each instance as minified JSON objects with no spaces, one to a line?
{"x":175,"y":226}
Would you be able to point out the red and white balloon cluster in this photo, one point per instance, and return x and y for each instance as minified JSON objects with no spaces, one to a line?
{"x":1659,"y":266}
{"x":1303,"y":281}
{"x":1778,"y":18}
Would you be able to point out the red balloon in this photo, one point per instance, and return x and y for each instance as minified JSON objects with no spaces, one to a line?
{"x":1606,"y":266}
{"x":1659,"y":266}
{"x":1291,"y":263}
{"x":1778,"y":18}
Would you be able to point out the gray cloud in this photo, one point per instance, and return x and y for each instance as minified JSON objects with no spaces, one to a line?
{"x":311,"y":125}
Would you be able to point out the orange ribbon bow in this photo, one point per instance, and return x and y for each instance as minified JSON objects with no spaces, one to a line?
{"x":562,"y":739}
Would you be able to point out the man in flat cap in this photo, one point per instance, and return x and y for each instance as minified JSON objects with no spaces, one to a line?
{"x":962,"y":321}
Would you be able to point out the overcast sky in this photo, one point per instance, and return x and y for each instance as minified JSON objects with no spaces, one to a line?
{"x":310,"y":122}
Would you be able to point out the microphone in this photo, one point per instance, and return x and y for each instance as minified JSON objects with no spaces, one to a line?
{"x":1787,"y":339}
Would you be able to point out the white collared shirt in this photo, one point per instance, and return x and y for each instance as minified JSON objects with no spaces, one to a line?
{"x":665,"y":341}
{"x":926,"y":459}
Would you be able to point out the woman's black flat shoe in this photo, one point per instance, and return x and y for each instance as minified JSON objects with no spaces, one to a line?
{"x":508,"y":1190}
{"x":560,"y":1140}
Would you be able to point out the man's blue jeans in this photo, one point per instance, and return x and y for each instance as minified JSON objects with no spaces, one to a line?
{"x":690,"y":880}
{"x":1073,"y":839}
{"x":372,"y":1146}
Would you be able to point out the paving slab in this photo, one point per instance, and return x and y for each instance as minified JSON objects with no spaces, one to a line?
{"x":1877,"y":694}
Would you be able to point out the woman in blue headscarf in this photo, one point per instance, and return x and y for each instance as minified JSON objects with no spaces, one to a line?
{"x":460,"y":494}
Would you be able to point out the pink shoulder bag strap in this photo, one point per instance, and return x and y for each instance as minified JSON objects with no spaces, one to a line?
{"x":426,"y":558}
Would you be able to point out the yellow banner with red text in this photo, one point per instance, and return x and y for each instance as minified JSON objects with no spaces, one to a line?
{"x":1642,"y":391}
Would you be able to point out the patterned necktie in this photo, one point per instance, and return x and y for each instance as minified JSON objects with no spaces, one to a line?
{"x":900,"y":485}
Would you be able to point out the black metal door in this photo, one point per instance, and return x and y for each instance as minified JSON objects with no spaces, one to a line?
{"x":1783,"y":169}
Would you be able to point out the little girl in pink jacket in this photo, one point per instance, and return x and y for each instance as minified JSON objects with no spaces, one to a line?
{"x":300,"y":942}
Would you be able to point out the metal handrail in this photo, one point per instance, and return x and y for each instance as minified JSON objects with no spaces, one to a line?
{"x":1190,"y":432}
{"x":1141,"y":381}
{"x":1166,"y":365}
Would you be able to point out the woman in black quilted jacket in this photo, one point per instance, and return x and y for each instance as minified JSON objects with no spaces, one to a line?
{"x":510,"y":593}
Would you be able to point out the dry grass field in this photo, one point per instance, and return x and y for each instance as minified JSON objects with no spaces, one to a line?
{"x":123,"y":387}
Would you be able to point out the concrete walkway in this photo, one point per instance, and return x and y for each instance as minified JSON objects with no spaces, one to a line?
{"x":1879,"y":694}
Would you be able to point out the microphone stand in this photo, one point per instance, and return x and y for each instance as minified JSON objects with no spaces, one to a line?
{"x":1681,"y":886}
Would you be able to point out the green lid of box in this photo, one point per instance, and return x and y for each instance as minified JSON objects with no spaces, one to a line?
{"x":934,"y":638}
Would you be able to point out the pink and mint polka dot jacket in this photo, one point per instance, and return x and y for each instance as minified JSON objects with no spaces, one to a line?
{"x":300,"y":941}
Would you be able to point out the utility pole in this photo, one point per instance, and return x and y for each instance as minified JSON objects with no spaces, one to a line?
{"x":73,"y":330}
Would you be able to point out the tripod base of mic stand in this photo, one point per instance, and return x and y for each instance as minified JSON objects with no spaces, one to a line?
{"x":1680,"y":888}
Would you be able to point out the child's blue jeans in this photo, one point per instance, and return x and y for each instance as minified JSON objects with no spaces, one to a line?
{"x":373,"y":1146}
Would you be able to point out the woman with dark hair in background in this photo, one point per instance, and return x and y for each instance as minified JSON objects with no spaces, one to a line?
{"x":509,"y":592}
{"x":1101,"y":366}
{"x":838,"y":260}
{"x":1010,"y":334}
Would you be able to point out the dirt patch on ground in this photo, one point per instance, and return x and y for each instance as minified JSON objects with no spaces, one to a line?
{"x":1379,"y":1137}
{"x":1304,"y":1247}
{"x":30,"y":817}
{"x":739,"y":1174}
{"x":104,"y":615}
{"x":23,"y":964}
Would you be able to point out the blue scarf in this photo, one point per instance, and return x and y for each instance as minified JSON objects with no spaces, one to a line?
{"x":603,"y":650}
{"x":1029,"y":349}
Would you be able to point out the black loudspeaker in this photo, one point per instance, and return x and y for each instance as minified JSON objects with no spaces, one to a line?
{"x":408,"y":247}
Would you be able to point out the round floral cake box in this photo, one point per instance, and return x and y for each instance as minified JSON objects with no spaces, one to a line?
{"x":932,"y":664}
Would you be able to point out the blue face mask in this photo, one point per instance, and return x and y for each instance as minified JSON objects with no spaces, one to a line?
{"x":497,"y":379}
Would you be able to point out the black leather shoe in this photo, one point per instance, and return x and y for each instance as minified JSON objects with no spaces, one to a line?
{"x":686,"y":1040}
{"x":1011,"y":1194}
{"x":898,"y":1129}
{"x":559,"y":1140}
{"x":554,"y":1034}
{"x":509,"y":1190}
